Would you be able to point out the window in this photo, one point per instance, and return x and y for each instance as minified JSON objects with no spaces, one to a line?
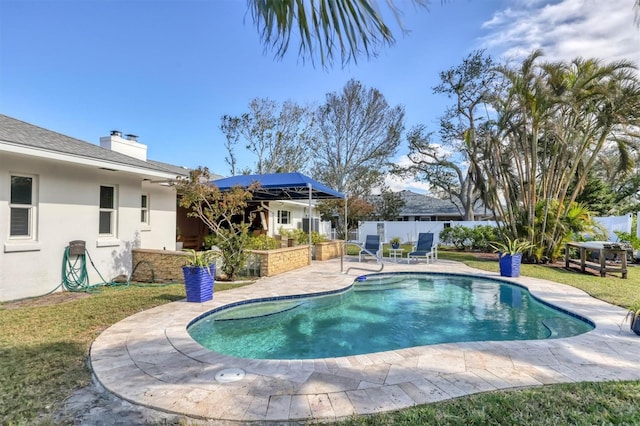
{"x":107,"y":218}
{"x":21,"y":207}
{"x":144,"y":209}
{"x":284,"y":217}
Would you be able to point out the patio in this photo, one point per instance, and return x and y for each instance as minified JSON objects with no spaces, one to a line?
{"x":149,"y":358}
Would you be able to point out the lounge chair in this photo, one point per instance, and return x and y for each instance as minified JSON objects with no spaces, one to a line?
{"x":371,"y":246}
{"x":424,"y":248}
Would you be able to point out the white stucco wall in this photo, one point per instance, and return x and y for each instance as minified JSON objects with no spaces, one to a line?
{"x":161,"y":231}
{"x":298,"y":211}
{"x":67,"y":209}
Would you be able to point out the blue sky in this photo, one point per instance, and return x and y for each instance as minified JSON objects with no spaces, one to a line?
{"x":167,"y":70}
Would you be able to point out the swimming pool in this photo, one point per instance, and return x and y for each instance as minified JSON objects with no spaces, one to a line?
{"x":384,"y":312}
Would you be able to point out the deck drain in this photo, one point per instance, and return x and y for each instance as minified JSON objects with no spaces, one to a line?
{"x":230,"y":375}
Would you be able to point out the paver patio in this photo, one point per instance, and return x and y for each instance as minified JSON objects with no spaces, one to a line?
{"x":150,"y":359}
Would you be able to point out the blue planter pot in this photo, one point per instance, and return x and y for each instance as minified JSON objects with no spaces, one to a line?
{"x":510,"y":265}
{"x":198,"y":282}
{"x":635,"y":324}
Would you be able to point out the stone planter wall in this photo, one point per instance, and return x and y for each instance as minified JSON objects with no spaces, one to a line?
{"x":273,"y":262}
{"x":166,"y":265}
{"x":328,"y":250}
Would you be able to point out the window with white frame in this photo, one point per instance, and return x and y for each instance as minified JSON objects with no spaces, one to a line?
{"x":21,"y":207}
{"x":284,"y":217}
{"x":107,"y":220}
{"x":144,"y":208}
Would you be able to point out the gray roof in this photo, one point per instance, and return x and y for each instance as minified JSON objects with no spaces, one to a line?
{"x":18,"y":132}
{"x":424,"y":205}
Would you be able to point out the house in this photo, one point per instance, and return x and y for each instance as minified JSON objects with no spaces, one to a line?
{"x":288,"y":215}
{"x":420,"y":207}
{"x":55,"y":189}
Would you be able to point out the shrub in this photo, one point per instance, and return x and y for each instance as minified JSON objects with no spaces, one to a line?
{"x":263,"y":242}
{"x":628,"y":237}
{"x":464,"y":238}
{"x":302,"y":237}
{"x":458,"y":236}
{"x":482,"y":236}
{"x":232,"y":245}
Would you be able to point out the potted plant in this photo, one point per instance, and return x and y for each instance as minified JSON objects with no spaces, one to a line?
{"x":395,"y":243}
{"x":510,"y":255}
{"x":199,"y":275}
{"x":634,"y":317}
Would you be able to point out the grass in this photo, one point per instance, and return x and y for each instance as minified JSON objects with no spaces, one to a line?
{"x":44,"y":349}
{"x":565,"y":404}
{"x":611,"y":289}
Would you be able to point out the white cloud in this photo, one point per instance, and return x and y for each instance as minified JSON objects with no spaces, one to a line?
{"x":397,"y":184}
{"x":566,"y":29}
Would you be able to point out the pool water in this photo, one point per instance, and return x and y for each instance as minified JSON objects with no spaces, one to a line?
{"x":383,"y":313}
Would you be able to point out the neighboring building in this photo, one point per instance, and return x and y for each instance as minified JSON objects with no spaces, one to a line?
{"x":422,"y":207}
{"x":55,"y":189}
{"x":290,"y":215}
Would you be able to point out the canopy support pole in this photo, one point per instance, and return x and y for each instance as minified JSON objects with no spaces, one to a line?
{"x":309,"y":221}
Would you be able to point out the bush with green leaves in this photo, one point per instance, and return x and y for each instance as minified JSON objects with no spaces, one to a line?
{"x":457,"y":236}
{"x":317,"y":238}
{"x":482,"y":236}
{"x":232,"y":244}
{"x":463,"y":238}
{"x":263,"y":242}
{"x":301,"y":237}
{"x":628,"y":237}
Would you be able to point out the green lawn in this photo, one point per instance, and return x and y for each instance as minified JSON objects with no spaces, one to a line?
{"x":612,"y":289}
{"x":44,"y":349}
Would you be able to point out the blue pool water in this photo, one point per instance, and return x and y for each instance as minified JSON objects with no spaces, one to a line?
{"x":382,"y":313}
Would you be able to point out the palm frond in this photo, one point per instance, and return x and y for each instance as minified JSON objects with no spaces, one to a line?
{"x":324,"y":27}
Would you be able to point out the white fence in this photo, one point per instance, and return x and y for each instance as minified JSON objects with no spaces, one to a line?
{"x":615,"y":223}
{"x":408,"y":231}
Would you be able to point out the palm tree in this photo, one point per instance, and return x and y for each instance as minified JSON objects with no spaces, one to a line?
{"x":554,"y":122}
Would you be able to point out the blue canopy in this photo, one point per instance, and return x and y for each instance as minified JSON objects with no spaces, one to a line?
{"x":280,"y":186}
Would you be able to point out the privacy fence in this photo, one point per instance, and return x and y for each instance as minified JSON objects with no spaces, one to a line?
{"x":408,"y":231}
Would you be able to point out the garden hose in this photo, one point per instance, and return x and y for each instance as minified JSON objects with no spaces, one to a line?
{"x":153,"y":282}
{"x":153,"y":274}
{"x":75,"y":276}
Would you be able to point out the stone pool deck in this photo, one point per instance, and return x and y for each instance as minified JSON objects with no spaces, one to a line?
{"x":149,"y":358}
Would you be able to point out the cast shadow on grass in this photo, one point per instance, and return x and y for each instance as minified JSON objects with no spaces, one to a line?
{"x":36,"y":378}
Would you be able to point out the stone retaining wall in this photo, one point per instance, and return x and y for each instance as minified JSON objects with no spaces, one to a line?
{"x":166,"y":265}
{"x":328,"y":250}
{"x":273,"y":262}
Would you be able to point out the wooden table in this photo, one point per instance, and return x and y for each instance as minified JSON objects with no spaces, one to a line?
{"x":602,"y":248}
